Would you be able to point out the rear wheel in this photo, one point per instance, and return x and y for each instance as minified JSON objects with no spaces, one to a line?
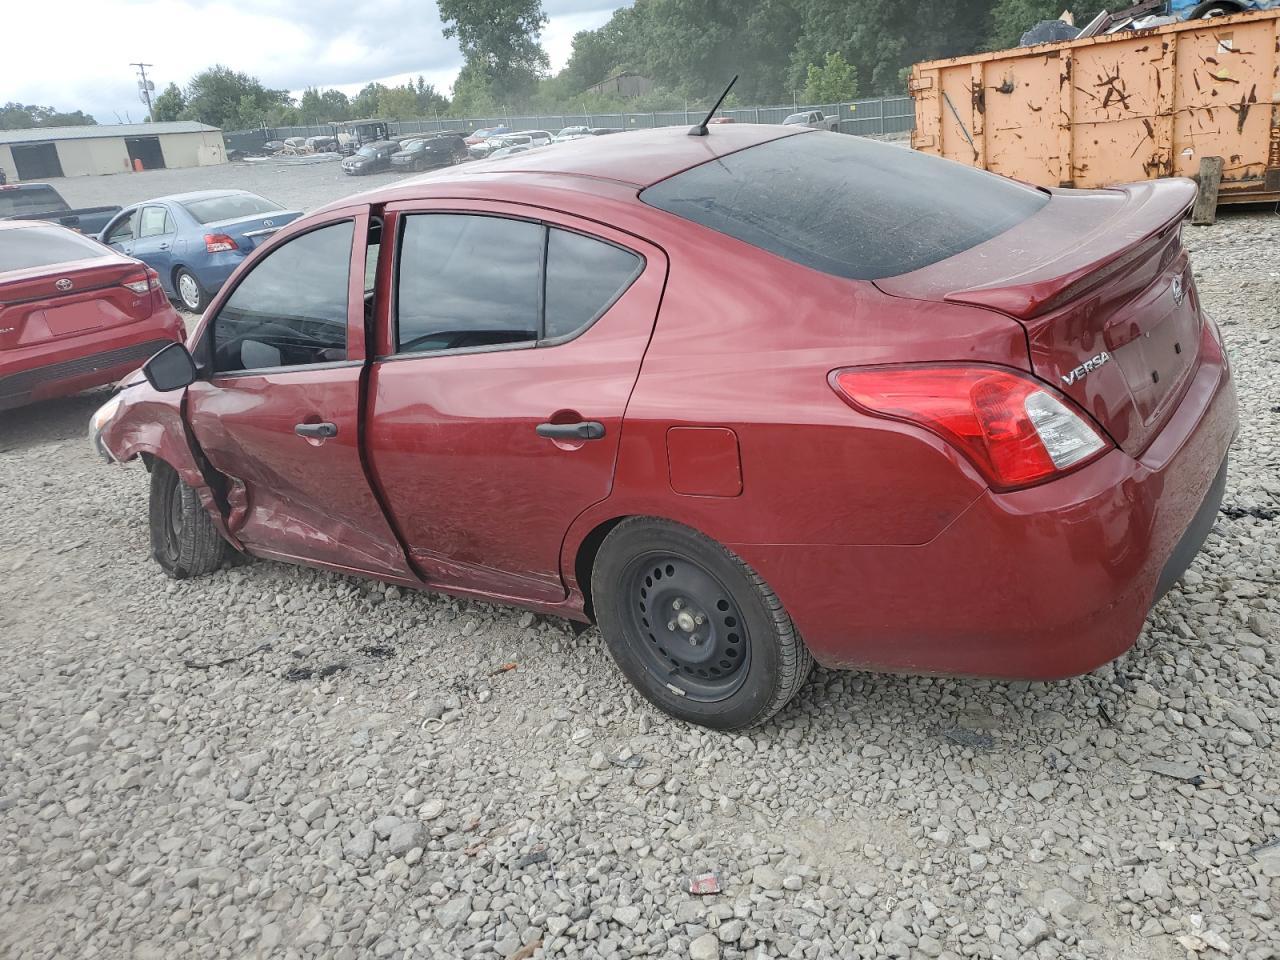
{"x":190,"y":293}
{"x":183,"y":539}
{"x":693,"y":627}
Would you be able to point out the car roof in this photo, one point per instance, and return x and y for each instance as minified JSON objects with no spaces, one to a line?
{"x":193,"y":196}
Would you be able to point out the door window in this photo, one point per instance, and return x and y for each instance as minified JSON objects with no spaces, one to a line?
{"x":292,"y":307}
{"x":123,"y":229}
{"x":469,"y":280}
{"x":154,"y":222}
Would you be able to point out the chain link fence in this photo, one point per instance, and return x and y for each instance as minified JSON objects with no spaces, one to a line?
{"x":878,"y":117}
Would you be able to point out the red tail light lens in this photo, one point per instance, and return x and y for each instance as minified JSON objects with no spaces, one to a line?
{"x":1017,"y":431}
{"x":143,"y":282}
{"x":218,"y":243}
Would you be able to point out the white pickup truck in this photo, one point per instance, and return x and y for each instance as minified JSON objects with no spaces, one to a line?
{"x":815,"y":119}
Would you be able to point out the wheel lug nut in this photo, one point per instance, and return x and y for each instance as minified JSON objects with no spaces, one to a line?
{"x":695,"y":639}
{"x":699,"y":619}
{"x":671,"y":625}
{"x":677,"y":604}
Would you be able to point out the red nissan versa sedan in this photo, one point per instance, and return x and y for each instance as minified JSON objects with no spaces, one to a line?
{"x":73,"y":313}
{"x":745,"y":400}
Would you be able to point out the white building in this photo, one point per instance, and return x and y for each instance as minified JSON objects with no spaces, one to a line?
{"x":42,"y":153}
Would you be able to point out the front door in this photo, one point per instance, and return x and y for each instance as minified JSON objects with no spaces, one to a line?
{"x":153,"y":243}
{"x":278,"y":413}
{"x":510,"y":347}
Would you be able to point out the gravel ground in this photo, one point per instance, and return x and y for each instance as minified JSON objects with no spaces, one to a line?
{"x":274,"y":762}
{"x":302,"y":188}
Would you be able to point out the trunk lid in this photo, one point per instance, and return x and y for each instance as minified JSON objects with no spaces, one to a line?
{"x":1102,"y":285}
{"x":248,"y":232}
{"x":42,"y":304}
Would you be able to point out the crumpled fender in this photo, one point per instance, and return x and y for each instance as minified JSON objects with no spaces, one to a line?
{"x":151,"y":423}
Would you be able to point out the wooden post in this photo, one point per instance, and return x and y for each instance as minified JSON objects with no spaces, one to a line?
{"x":1205,"y":212}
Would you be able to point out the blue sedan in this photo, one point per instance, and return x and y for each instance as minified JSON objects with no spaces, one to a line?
{"x":195,"y":240}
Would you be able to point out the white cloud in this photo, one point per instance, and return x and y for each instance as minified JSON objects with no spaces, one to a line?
{"x":82,"y":59}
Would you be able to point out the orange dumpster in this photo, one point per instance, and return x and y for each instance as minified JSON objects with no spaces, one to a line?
{"x":1115,"y":109}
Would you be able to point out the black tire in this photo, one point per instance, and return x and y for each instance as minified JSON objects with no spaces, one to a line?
{"x":1217,"y":8}
{"x":190,"y":293}
{"x":734,"y":668}
{"x":183,"y":539}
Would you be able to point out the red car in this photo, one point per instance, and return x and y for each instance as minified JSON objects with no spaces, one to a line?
{"x":745,"y":400}
{"x":73,"y":313}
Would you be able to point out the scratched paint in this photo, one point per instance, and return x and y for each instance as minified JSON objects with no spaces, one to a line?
{"x":1131,"y":106}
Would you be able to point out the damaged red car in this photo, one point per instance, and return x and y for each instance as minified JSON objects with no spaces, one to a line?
{"x":746,"y":400}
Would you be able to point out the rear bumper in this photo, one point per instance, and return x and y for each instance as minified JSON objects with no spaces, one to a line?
{"x":1039,"y":584}
{"x":213,"y":271}
{"x":64,"y":367}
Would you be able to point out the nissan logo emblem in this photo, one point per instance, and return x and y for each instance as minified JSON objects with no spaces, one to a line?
{"x":63,"y":284}
{"x":268,"y":223}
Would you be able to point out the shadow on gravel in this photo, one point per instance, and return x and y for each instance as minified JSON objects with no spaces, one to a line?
{"x":50,"y":421}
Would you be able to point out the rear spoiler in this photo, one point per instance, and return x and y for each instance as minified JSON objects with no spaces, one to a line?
{"x":1092,"y":251}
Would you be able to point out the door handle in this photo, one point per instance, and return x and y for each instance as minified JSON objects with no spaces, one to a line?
{"x":316,"y":431}
{"x":586,"y":430}
{"x":164,"y":246}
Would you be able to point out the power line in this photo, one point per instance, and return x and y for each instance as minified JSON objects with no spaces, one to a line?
{"x":146,"y":87}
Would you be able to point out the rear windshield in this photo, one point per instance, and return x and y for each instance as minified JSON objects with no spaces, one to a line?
{"x":30,"y":200}
{"x":28,"y":247}
{"x":845,"y":205}
{"x":233,"y":207}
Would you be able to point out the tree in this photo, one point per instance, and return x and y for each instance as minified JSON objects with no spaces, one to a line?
{"x":169,"y":104}
{"x":225,"y":98}
{"x":430,"y":101}
{"x":499,"y":38}
{"x":317,"y":106}
{"x":365,"y":103}
{"x":397,"y":102}
{"x":833,"y":82}
{"x":473,"y":93}
{"x":20,"y":116}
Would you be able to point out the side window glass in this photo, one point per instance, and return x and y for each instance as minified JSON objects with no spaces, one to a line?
{"x":123,"y":230}
{"x":292,"y":308}
{"x":153,"y":222}
{"x":467,"y":281}
{"x":584,"y":278}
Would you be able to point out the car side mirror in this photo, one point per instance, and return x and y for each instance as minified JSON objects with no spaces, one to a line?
{"x":170,"y":369}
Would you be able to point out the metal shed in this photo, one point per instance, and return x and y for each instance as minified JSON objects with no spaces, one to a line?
{"x":42,"y":153}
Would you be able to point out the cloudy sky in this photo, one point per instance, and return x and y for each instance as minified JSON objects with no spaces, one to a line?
{"x":81,"y":59}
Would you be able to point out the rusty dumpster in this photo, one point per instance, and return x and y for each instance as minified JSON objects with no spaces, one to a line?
{"x":1115,"y":109}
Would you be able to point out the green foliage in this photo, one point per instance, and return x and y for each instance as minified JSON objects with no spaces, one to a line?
{"x":397,"y":102}
{"x":365,"y":103}
{"x":323,"y":106}
{"x":169,"y":104}
{"x":833,"y":82}
{"x":231,"y":100}
{"x":21,"y":116}
{"x":499,"y":41}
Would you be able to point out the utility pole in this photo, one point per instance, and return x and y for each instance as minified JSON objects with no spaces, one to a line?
{"x":145,"y":87}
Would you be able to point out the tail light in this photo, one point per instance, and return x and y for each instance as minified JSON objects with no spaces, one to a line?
{"x":143,"y":283}
{"x":1016,"y":430}
{"x":218,"y":243}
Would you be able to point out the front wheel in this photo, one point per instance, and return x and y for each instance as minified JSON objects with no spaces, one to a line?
{"x":183,"y":539}
{"x":190,"y":292}
{"x":693,"y":627}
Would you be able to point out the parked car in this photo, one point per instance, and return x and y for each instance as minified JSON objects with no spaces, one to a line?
{"x":73,"y":314}
{"x":322,"y":144}
{"x":194,"y":240}
{"x":605,"y":131}
{"x":478,"y":151}
{"x":795,"y":396}
{"x":540,"y":138}
{"x":722,"y":120}
{"x":572,"y":133}
{"x":273,"y":146}
{"x":510,"y":151}
{"x":814,"y":119}
{"x":40,"y":201}
{"x":370,"y":158}
{"x":429,"y":153}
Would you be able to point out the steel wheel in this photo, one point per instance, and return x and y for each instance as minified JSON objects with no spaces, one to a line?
{"x":190,"y":292}
{"x":694,"y":630}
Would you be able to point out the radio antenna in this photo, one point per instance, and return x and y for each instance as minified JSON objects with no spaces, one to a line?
{"x":701,"y":129}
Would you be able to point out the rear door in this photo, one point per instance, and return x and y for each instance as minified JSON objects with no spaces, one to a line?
{"x":497,"y":401}
{"x":278,"y":409}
